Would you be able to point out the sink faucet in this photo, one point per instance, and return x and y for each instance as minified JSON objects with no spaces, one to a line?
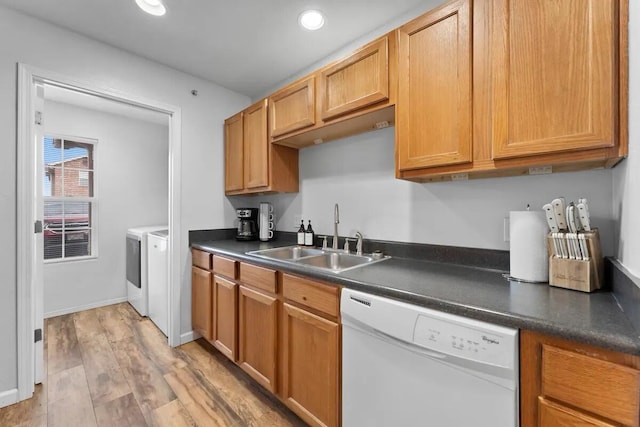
{"x":336,"y":221}
{"x":359,"y":243}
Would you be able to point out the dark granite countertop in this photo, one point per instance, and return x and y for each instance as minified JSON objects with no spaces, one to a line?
{"x":482,"y":294}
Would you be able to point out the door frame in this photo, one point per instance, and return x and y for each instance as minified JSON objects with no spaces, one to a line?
{"x":28,"y":76}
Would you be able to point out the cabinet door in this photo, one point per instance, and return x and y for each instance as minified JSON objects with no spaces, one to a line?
{"x":555,"y":415}
{"x":358,"y":81}
{"x":292,"y":108}
{"x":233,"y":153}
{"x":257,"y":324}
{"x":256,"y":146}
{"x":554,"y":68}
{"x":225,"y":319}
{"x":434,"y":89}
{"x":201,"y":301}
{"x":311,"y":385}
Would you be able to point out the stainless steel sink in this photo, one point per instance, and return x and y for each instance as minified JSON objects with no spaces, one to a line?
{"x":337,"y":261}
{"x":326,"y":260}
{"x":288,"y":253}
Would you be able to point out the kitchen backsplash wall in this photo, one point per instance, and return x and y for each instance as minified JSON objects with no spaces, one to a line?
{"x":626,"y":177}
{"x":358,"y":173}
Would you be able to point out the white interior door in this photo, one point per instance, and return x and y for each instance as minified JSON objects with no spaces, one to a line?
{"x":38,"y":244}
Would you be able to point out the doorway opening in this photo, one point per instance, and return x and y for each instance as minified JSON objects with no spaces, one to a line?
{"x":71,"y":224}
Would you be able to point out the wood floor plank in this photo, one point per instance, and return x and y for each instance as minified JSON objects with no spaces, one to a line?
{"x":145,"y":379}
{"x":69,"y":399}
{"x":63,"y":350}
{"x":123,"y":411}
{"x":115,"y":321}
{"x":28,"y":411}
{"x":87,"y":325}
{"x":104,"y":376}
{"x":172,"y":414}
{"x":241,"y":393}
{"x":204,"y":404}
{"x":155,"y":346}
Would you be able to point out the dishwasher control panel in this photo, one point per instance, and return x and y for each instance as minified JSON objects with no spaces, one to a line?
{"x":466,"y":338}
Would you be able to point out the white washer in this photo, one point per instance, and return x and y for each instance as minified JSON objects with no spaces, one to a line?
{"x":136,"y":253}
{"x":158,"y":265}
{"x":405,"y":365}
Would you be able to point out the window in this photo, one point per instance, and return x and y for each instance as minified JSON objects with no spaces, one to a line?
{"x":69,"y":199}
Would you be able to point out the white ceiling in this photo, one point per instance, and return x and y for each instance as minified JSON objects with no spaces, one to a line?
{"x":245,"y":45}
{"x":92,"y":102}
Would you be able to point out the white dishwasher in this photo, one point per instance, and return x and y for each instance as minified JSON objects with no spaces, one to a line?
{"x":404,"y":365}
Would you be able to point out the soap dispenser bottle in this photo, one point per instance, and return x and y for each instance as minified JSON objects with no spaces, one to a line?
{"x":309,"y":235}
{"x":301,"y":233}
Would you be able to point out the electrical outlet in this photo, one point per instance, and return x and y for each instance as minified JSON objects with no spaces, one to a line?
{"x":505,"y":231}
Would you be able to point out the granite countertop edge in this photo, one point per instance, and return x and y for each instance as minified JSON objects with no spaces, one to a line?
{"x":623,"y":343}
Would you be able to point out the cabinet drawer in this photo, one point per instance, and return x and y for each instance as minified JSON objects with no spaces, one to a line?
{"x":551,"y":414}
{"x":315,"y":295}
{"x":225,"y":266}
{"x":201,"y":259}
{"x":258,"y":277}
{"x":604,"y":388}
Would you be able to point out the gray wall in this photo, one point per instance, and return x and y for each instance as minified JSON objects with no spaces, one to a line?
{"x":131,"y":184}
{"x":626,"y":186}
{"x":41,"y":45}
{"x":358,"y":173}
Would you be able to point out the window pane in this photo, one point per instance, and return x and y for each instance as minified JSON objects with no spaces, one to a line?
{"x":52,"y":150}
{"x":52,"y":232}
{"x":78,"y":152}
{"x":78,"y":183}
{"x":52,"y":181}
{"x":67,"y":229}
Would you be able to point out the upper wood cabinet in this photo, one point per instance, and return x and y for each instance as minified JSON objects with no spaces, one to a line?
{"x":355,"y":82}
{"x":252,"y":164}
{"x":293,"y":107}
{"x":434,"y":89}
{"x":554,"y":67}
{"x":234,"y":153}
{"x":256,"y":146}
{"x":565,"y":384}
{"x":546,"y":89}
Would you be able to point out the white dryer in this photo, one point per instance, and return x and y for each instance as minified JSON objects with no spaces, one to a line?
{"x":137,"y":271}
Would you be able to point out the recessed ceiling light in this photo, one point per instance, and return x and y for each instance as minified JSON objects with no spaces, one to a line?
{"x":152,"y":7}
{"x":311,"y":20}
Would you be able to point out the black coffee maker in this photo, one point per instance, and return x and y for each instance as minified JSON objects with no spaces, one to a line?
{"x":247,"y":223}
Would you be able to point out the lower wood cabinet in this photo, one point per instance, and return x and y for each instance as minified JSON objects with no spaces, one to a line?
{"x":257,"y":335}
{"x":201,"y":301}
{"x":282,"y":330}
{"x":564,"y":383}
{"x":310,"y":345}
{"x":225,"y":316}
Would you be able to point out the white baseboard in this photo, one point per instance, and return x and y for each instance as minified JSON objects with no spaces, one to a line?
{"x":83,"y":307}
{"x":189,"y":336}
{"x":8,"y":397}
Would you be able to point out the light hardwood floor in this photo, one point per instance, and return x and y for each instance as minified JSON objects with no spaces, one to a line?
{"x":111,"y":367}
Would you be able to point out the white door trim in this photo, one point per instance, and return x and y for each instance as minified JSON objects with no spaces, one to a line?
{"x":27,"y":76}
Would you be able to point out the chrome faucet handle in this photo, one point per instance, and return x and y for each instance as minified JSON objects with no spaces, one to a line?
{"x":359,"y":243}
{"x":346,"y":243}
{"x":324,"y":241}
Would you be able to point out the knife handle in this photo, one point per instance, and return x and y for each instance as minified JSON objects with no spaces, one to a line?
{"x":558,"y":208}
{"x":551,"y":218}
{"x":583,"y":213}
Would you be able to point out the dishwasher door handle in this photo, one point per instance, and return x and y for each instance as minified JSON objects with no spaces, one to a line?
{"x":409,"y":346}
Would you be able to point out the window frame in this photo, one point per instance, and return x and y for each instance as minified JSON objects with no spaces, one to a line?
{"x":92,"y":200}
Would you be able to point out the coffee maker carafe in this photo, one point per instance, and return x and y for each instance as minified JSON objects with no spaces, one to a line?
{"x":247,"y":223}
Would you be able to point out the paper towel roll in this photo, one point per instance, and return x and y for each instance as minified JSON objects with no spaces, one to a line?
{"x":529,"y":258}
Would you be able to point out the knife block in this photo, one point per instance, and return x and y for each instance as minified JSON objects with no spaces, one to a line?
{"x":579,"y":275}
